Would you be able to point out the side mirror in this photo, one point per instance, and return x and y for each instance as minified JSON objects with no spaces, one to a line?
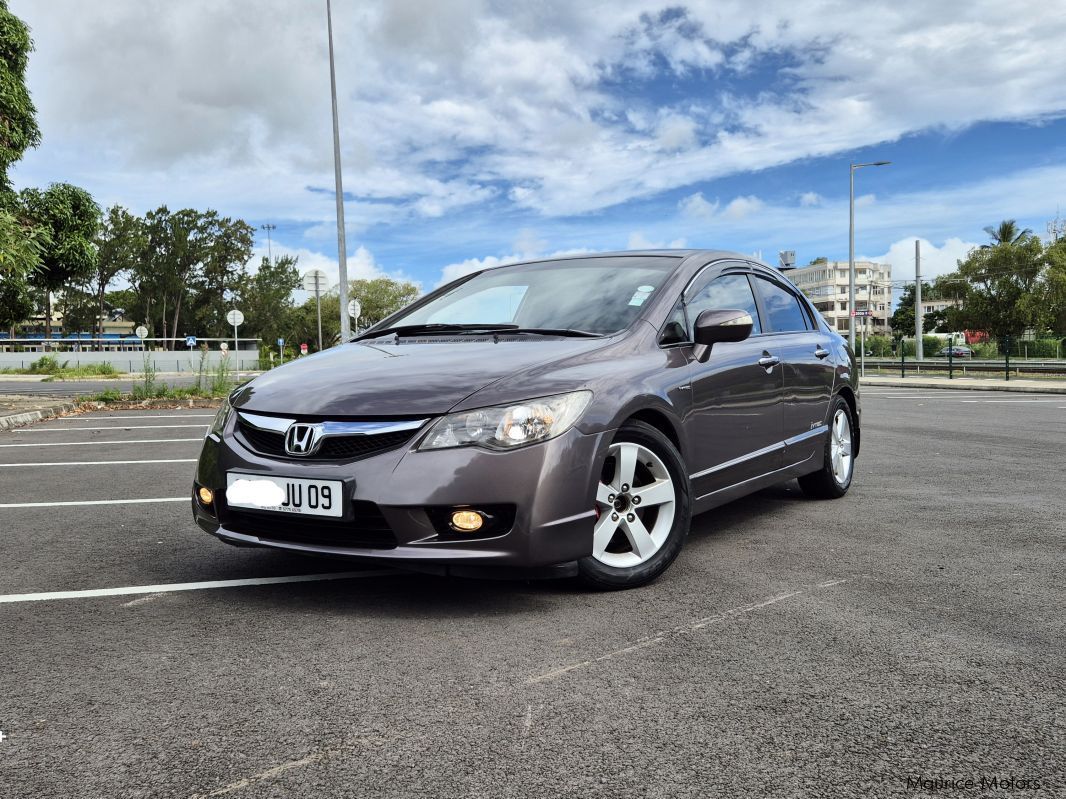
{"x":714,"y":326}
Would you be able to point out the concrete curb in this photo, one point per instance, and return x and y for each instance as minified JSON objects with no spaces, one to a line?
{"x":962,"y":385}
{"x":13,"y":420}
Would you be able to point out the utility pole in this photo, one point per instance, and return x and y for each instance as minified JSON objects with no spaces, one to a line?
{"x":918,"y":353}
{"x":342,"y":254}
{"x":270,"y":250}
{"x":851,"y":250}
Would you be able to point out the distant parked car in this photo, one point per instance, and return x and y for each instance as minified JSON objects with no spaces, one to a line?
{"x":958,"y":351}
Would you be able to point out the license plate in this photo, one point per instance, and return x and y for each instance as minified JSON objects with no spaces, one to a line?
{"x":285,"y":494}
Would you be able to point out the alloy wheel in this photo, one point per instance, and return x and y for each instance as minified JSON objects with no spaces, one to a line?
{"x":635,"y":499}
{"x":840,"y":447}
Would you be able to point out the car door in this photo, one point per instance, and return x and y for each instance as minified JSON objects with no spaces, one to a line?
{"x":735,"y":423}
{"x":807,"y":362}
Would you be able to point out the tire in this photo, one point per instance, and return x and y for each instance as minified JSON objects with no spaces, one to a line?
{"x":644,"y":502}
{"x":833,"y":479}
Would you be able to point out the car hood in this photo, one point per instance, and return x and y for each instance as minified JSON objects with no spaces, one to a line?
{"x":413,"y":378}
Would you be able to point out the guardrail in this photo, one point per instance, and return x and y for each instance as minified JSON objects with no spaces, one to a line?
{"x":963,"y":366}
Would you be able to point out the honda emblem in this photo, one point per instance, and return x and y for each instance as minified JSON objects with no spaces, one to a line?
{"x":302,"y":439}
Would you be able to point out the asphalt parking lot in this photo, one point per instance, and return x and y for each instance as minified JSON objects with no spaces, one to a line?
{"x":911,"y":631}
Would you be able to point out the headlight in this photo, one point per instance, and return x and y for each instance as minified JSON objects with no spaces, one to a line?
{"x":508,"y":426}
{"x":220,"y":419}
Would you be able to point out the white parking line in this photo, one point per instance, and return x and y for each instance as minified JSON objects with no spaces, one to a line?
{"x":102,"y":442}
{"x":101,"y":463}
{"x":123,"y":427}
{"x":171,"y":587}
{"x":93,"y":502}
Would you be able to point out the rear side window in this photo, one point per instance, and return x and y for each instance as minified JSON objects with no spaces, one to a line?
{"x":783,"y":311}
{"x":725,"y":292}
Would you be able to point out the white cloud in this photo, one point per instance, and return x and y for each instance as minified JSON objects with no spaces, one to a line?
{"x":445,"y":104}
{"x":361,"y":264}
{"x":740,"y":207}
{"x":454,"y":271}
{"x":676,"y":133}
{"x":637,"y":241}
{"x":935,"y":260}
{"x":809,"y":199}
{"x":696,"y":207}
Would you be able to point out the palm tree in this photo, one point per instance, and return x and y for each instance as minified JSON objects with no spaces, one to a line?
{"x":1005,"y":233}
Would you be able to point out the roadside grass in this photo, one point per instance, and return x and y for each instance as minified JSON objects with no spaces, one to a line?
{"x":51,"y":366}
{"x":160,"y":391}
{"x":209,"y":385}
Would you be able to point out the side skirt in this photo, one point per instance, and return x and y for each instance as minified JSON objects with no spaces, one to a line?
{"x":738,"y":490}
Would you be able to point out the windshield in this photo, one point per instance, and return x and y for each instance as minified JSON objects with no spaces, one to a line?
{"x":598,"y":295}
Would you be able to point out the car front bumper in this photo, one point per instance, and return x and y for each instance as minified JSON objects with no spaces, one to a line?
{"x":549,"y":485}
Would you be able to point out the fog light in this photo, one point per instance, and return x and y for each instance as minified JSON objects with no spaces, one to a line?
{"x":206,"y":495}
{"x":467,"y":520}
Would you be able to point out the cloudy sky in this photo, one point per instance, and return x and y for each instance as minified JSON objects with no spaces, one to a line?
{"x":475,"y":132}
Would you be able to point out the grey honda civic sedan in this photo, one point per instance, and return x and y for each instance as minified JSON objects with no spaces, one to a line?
{"x":552,"y":418}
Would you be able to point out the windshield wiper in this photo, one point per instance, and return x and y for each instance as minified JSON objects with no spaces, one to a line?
{"x":552,"y":331}
{"x":430,"y":328}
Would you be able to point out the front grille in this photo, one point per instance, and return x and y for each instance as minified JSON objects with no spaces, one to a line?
{"x":262,"y":441}
{"x":368,"y":528}
{"x":333,"y":448}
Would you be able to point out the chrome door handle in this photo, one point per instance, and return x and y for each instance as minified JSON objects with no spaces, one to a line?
{"x":820,"y":353}
{"x":769,"y":361}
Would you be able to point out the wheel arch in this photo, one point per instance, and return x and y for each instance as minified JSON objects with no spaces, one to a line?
{"x":661,"y":422}
{"x":848,"y":394}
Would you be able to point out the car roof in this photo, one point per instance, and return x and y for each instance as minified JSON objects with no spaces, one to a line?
{"x":702,"y":255}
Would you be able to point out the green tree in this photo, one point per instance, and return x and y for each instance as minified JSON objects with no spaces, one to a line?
{"x":381,"y":297}
{"x":18,"y":117}
{"x":228,"y":247}
{"x":265,"y":298}
{"x":16,"y":301}
{"x":902,"y":319}
{"x":192,"y":261}
{"x":1006,"y":232}
{"x":996,"y":286}
{"x":77,"y":306}
{"x":301,"y":323}
{"x":20,"y":255}
{"x":1053,"y":300}
{"x":21,"y":244}
{"x":119,"y":245}
{"x":67,"y":218}
{"x":173,"y":252}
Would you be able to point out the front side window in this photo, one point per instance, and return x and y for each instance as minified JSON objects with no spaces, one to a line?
{"x":725,"y":292}
{"x":783,"y":311}
{"x":598,"y":295}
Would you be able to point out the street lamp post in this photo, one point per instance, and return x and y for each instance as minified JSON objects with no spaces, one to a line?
{"x":270,"y":247}
{"x":851,"y":251}
{"x":342,"y":248}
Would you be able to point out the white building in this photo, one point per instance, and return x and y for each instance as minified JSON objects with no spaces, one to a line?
{"x":826,"y":283}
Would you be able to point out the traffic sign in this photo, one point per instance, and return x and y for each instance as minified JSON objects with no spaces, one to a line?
{"x":354,"y":309}
{"x":141,"y":331}
{"x":235,"y":318}
{"x":303,"y":349}
{"x":190,"y":341}
{"x":281,"y":342}
{"x":315,"y":281}
{"x":862,"y":312}
{"x":223,"y":346}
